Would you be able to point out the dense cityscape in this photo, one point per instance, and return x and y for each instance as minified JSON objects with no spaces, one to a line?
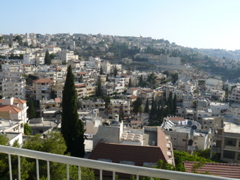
{"x":122,"y":99}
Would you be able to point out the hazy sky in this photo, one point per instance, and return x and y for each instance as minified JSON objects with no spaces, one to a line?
{"x":191,"y":23}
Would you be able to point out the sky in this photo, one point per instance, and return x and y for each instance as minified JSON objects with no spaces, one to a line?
{"x":190,"y":23}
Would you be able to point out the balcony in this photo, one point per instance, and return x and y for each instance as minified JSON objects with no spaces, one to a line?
{"x":98,"y":165}
{"x":218,"y":137}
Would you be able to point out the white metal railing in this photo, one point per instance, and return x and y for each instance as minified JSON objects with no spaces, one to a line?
{"x":99,"y":165}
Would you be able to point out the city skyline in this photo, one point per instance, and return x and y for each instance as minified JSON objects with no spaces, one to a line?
{"x":201,"y":24}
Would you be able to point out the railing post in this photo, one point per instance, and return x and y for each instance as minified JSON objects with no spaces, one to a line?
{"x":100,"y":174}
{"x":37,"y":166}
{"x":19,"y":168}
{"x":68,"y":172}
{"x":79,"y":173}
{"x":48,"y":170}
{"x":113,"y":175}
{"x":10,"y":166}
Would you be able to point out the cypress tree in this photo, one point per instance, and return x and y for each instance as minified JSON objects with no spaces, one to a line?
{"x":130,"y":83}
{"x":146,"y":108}
{"x":80,"y":80}
{"x":115,"y":71}
{"x":72,"y":127}
{"x":99,"y":87}
{"x":101,"y":70}
{"x":47,"y":59}
{"x":174,"y":106}
{"x":170,"y":102}
{"x":31,"y":112}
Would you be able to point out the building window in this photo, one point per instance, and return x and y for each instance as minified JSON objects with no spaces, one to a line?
{"x":229,"y":154}
{"x":127,"y":162}
{"x":230,"y":142}
{"x":105,"y":160}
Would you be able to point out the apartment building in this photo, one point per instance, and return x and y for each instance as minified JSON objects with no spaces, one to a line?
{"x":42,"y":88}
{"x":13,"y":87}
{"x":117,"y":105}
{"x":12,"y":82}
{"x":227,"y":141}
{"x":13,"y":109}
{"x":93,"y":104}
{"x":234,"y":95}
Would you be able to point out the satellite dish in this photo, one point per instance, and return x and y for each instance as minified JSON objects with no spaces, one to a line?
{"x":189,"y":123}
{"x":194,"y":127}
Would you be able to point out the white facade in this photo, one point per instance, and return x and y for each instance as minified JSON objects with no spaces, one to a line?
{"x":29,"y":58}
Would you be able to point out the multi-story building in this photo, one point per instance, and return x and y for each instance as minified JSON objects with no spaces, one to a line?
{"x":29,"y":58}
{"x":117,"y":105}
{"x":89,"y":104}
{"x":227,"y":141}
{"x":14,"y":88}
{"x":12,"y":82}
{"x":81,"y":90}
{"x":42,"y":88}
{"x":90,"y":90}
{"x":184,"y":137}
{"x":234,"y":95}
{"x":67,"y":55}
{"x":13,"y":109}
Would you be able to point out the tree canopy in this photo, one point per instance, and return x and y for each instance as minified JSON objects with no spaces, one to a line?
{"x":72,"y":127}
{"x":47,"y":59}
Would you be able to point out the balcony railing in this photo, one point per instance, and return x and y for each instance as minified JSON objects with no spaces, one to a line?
{"x":98,"y":165}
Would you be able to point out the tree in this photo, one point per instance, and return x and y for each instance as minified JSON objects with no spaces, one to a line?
{"x":146,"y":109}
{"x":115,"y":71}
{"x":53,"y":94}
{"x":27,"y":129}
{"x":80,"y":80}
{"x":47,"y":59}
{"x":121,"y":113}
{"x":72,"y":127}
{"x":174,"y":105}
{"x":30,"y":78}
{"x":101,"y":70}
{"x":170,"y":102}
{"x":140,"y":110}
{"x":99,"y":88}
{"x":52,"y":56}
{"x":4,"y":169}
{"x":136,"y":105}
{"x":130,"y":83}
{"x":52,"y":143}
{"x":31,"y":112}
{"x":174,"y":78}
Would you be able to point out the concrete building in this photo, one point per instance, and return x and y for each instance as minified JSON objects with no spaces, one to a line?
{"x":184,"y":137}
{"x":29,"y":58}
{"x":117,"y":105}
{"x":42,"y":88}
{"x":67,"y":55}
{"x":13,"y":109}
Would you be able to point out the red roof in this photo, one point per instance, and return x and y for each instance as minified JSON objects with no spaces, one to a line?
{"x":216,"y":169}
{"x":44,"y":80}
{"x":175,"y":118}
{"x":133,"y":88}
{"x":58,"y":100}
{"x":80,"y":85}
{"x":19,"y":101}
{"x":82,"y":73}
{"x":123,"y":152}
{"x":10,"y":109}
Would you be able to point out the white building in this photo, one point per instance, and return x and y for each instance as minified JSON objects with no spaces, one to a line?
{"x":14,"y":109}
{"x":29,"y":58}
{"x":42,"y":88}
